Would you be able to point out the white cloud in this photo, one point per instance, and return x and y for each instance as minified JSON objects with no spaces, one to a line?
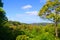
{"x":32,"y":12}
{"x":27,"y":7}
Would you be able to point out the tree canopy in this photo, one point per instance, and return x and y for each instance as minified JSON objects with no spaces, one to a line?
{"x":51,"y":11}
{"x":3,"y":17}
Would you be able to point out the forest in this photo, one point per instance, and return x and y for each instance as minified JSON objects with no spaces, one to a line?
{"x":15,"y":30}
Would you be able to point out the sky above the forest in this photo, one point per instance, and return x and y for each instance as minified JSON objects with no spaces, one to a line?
{"x":25,"y":11}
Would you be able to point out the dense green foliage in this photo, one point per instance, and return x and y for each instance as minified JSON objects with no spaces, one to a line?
{"x":3,"y":18}
{"x":29,"y":31}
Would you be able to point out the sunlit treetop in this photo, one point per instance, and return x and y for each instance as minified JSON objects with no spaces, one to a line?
{"x":1,"y":10}
{"x":50,"y":9}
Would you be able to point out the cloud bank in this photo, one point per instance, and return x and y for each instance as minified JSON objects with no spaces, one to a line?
{"x":32,"y":12}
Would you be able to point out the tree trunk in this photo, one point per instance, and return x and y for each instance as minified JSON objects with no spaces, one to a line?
{"x":56,"y":30}
{"x":56,"y":25}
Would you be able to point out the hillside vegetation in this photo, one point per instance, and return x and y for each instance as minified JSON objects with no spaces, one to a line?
{"x":13,"y":30}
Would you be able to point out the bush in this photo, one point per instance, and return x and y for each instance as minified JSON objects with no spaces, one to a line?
{"x":22,"y":37}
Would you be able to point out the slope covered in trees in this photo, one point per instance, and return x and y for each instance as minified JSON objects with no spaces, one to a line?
{"x":23,"y":31}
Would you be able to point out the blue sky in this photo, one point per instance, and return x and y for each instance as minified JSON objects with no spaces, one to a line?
{"x":25,"y":11}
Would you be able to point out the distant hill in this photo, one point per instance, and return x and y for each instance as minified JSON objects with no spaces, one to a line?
{"x":40,"y":24}
{"x":16,"y":23}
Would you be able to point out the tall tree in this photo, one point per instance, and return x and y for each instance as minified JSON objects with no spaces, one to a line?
{"x":51,"y":11}
{"x":3,"y":18}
